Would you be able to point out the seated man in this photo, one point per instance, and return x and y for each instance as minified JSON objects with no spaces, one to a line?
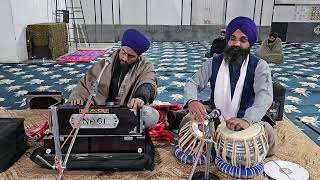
{"x":218,"y":45}
{"x":241,"y":85}
{"x":128,"y":80}
{"x":271,"y":49}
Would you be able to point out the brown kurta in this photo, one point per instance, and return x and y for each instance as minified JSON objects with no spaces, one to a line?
{"x":272,"y":53}
{"x":142,"y":72}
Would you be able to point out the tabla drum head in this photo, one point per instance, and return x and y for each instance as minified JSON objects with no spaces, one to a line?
{"x":285,"y":170}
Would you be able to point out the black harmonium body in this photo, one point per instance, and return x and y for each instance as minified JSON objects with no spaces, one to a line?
{"x":112,"y":120}
{"x":99,"y":144}
{"x":103,"y":129}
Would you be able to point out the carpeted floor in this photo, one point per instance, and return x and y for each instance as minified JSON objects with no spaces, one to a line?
{"x":174,"y":63}
{"x":292,"y":146}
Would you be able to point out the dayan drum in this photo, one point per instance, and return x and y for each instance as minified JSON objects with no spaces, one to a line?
{"x":244,"y":148}
{"x":190,"y":140}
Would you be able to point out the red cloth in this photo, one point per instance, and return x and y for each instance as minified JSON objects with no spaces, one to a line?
{"x":159,"y":132}
{"x":38,"y":132}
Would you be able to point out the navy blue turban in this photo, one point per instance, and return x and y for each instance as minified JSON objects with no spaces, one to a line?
{"x":136,"y":41}
{"x":246,"y":25}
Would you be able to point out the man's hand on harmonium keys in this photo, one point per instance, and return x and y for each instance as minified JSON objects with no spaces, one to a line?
{"x":237,"y":124}
{"x":79,"y":102}
{"x":135,"y":103}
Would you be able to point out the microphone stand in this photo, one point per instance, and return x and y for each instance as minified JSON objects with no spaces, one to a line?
{"x":93,"y":93}
{"x":206,"y":175}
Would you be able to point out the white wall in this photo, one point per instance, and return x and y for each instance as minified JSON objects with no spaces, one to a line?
{"x":257,"y":12}
{"x":186,"y":12}
{"x":24,"y":13}
{"x":267,"y":11}
{"x":297,"y":2}
{"x":239,"y":8}
{"x":17,"y":15}
{"x":164,"y":12}
{"x":129,"y":15}
{"x":89,"y":10}
{"x":8,"y":49}
{"x":192,"y":12}
{"x":296,"y":13}
{"x":99,"y":13}
{"x":116,"y":6}
{"x":107,"y":12}
{"x":208,"y":12}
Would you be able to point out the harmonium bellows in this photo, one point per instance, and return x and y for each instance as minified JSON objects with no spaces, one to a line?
{"x":43,"y":100}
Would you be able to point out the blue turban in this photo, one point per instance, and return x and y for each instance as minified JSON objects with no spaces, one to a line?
{"x":136,"y":41}
{"x":246,"y":25}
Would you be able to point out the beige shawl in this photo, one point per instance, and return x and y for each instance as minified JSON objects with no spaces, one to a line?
{"x":142,"y":72}
{"x":272,"y":52}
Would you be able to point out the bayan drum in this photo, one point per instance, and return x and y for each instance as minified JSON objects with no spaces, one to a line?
{"x":245,"y":148}
{"x":190,"y":140}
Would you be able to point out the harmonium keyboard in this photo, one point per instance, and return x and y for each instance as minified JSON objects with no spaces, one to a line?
{"x":104,"y":129}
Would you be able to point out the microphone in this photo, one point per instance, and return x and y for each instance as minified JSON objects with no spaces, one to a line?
{"x":213,"y":115}
{"x":95,"y":84}
{"x":87,"y":105}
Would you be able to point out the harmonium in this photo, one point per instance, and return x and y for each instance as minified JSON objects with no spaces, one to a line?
{"x":107,"y":133}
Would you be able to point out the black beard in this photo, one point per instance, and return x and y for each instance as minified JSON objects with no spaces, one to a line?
{"x":269,"y":41}
{"x":122,"y":65}
{"x":234,"y":55}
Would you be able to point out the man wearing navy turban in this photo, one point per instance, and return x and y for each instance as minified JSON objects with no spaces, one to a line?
{"x":241,"y":85}
{"x":129,"y":79}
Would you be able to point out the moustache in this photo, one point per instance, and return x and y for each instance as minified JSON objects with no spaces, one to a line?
{"x":122,"y":61}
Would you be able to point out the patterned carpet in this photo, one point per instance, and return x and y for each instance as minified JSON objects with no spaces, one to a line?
{"x":291,"y":146}
{"x":174,"y":62}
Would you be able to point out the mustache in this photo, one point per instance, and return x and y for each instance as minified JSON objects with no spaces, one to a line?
{"x":122,"y":61}
{"x":235,"y":55}
{"x":122,"y":64}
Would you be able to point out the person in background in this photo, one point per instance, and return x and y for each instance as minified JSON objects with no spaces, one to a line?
{"x":218,"y":45}
{"x":271,"y":49}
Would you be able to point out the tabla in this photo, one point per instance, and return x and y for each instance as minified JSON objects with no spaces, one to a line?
{"x":189,"y":143}
{"x":244,"y":148}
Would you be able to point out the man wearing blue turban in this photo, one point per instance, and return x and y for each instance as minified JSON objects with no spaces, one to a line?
{"x":129,"y":79}
{"x":241,"y":85}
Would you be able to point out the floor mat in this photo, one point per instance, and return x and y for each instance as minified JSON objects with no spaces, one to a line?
{"x":292,"y":145}
{"x":174,"y":63}
{"x":81,"y":56}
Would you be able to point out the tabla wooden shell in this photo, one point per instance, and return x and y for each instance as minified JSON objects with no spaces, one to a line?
{"x":244,"y":148}
{"x":190,"y":137}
